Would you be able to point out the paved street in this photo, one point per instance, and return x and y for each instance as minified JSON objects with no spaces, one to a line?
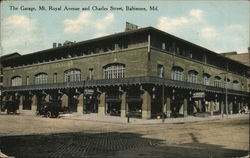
{"x":31,"y":137}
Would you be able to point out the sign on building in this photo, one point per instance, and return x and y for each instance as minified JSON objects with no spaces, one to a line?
{"x":199,"y":95}
{"x":88,"y":91}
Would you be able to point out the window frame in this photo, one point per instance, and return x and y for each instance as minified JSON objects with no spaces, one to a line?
{"x":114,"y":70}
{"x":72,"y":75}
{"x":41,"y":78}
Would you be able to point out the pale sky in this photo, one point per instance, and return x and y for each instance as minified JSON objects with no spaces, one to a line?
{"x":220,"y":26}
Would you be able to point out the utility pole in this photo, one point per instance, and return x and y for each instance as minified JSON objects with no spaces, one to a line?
{"x":226,"y":100}
{"x":226,"y":89}
{"x":163,"y":100}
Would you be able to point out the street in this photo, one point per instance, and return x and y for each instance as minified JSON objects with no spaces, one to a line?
{"x":31,"y":137}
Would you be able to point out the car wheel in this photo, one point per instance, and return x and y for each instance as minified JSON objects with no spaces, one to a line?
{"x":48,"y":114}
{"x":56,"y":114}
{"x":37,"y":113}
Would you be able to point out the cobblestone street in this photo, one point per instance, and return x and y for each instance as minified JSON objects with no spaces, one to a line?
{"x":31,"y":137}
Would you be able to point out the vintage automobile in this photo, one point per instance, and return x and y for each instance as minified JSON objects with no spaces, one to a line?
{"x":49,"y":109}
{"x":10,"y":106}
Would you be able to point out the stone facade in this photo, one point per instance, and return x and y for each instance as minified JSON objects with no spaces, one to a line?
{"x":132,"y":75}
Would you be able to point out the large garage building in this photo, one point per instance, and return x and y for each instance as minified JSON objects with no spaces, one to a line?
{"x":143,"y":72}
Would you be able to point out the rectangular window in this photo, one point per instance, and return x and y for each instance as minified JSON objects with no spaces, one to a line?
{"x":27,"y":80}
{"x":160,"y":71}
{"x":55,"y":78}
{"x":217,"y":83}
{"x":91,"y":74}
{"x":163,"y":46}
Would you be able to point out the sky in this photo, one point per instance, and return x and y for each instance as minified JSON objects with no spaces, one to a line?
{"x":220,"y":26}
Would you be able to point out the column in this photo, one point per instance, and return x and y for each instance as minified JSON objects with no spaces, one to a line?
{"x":146,"y":105}
{"x":239,"y":107}
{"x":222,"y":108}
{"x":65,"y":100}
{"x":123,"y":104}
{"x":34,"y":103}
{"x":80,"y":104}
{"x":168,"y":107}
{"x":185,"y":104}
{"x":102,"y":104}
{"x":230,"y":106}
{"x":200,"y":105}
{"x":21,"y":103}
{"x":211,"y":104}
{"x":47,"y":98}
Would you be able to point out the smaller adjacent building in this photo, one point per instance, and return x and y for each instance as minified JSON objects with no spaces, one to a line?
{"x":243,"y":58}
{"x":2,"y":59}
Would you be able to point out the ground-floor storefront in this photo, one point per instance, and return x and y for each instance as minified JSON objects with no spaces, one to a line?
{"x":143,"y":98}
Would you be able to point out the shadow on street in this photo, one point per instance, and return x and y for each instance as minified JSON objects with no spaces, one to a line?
{"x":111,"y":144}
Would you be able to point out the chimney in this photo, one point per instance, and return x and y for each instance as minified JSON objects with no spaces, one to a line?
{"x":54,"y":45}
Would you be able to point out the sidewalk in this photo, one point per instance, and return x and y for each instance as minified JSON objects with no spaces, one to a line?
{"x":119,"y":120}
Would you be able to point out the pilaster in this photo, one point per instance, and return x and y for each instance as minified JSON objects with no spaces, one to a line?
{"x":146,"y":105}
{"x":168,"y":107}
{"x":185,"y":104}
{"x":80,"y":104}
{"x":102,"y":102}
{"x":123,"y":104}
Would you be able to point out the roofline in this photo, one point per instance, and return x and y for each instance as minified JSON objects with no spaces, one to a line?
{"x":146,"y":29}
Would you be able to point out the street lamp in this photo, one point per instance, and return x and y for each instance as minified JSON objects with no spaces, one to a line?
{"x":163,"y":116}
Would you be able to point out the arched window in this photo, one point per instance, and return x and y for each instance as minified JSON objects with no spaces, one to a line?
{"x":16,"y":81}
{"x":72,"y":75}
{"x":236,"y":85}
{"x":217,"y":81}
{"x":115,"y":70}
{"x":227,"y":83}
{"x":41,"y":78}
{"x":206,"y":79}
{"x":192,"y":76}
{"x":177,"y":73}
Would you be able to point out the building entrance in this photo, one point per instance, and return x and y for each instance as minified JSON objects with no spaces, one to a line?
{"x":90,"y":104}
{"x":27,"y":102}
{"x":73,"y":101}
{"x":114,"y":108}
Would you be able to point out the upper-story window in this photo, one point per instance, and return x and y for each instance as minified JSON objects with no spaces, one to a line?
{"x":206,"y":79}
{"x":163,"y":45}
{"x":192,"y":76}
{"x":115,"y":70}
{"x":90,"y":74}
{"x":227,"y":83}
{"x":27,"y":80}
{"x":55,"y":78}
{"x":41,"y":78}
{"x":160,"y":70}
{"x":177,"y":73}
{"x":72,"y":75}
{"x":217,"y":81}
{"x":236,"y":85}
{"x":16,"y":81}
